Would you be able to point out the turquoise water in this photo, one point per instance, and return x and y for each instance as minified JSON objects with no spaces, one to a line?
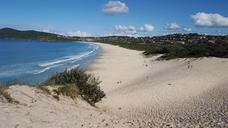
{"x":33,"y":62}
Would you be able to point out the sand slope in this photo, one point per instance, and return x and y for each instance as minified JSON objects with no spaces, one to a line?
{"x":39,"y":110}
{"x":159,"y":93}
{"x":141,"y":92}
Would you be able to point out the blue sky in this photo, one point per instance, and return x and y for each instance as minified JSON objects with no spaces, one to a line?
{"x":125,"y":17}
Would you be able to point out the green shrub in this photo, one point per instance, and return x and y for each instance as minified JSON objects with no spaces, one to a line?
{"x":78,"y":82}
{"x":193,"y":49}
{"x":68,"y":90}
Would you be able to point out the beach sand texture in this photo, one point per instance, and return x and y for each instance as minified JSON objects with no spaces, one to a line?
{"x":141,"y":92}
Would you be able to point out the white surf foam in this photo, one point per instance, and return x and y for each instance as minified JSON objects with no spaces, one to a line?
{"x":69,"y":58}
{"x":45,"y":69}
{"x":73,"y":67}
{"x":41,"y":71}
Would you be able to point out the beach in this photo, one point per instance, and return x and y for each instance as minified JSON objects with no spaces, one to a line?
{"x":176,"y":93}
{"x":140,"y":92}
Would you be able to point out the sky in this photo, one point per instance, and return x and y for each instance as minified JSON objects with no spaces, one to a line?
{"x":116,"y":17}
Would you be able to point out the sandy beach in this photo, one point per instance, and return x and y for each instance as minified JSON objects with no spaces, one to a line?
{"x":140,"y":93}
{"x":175,"y":93}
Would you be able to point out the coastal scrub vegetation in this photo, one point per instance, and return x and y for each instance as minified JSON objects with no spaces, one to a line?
{"x":175,"y":46}
{"x":189,"y":50}
{"x":76,"y":82}
{"x":68,"y":90}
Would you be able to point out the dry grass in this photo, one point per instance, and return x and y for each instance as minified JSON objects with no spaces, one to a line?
{"x":68,"y":90}
{"x":6,"y":95}
{"x":44,"y":89}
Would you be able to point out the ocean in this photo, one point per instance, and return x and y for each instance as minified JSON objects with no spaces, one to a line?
{"x":33,"y":62}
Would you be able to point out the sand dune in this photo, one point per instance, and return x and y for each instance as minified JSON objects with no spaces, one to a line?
{"x":162,"y":93}
{"x":141,"y":92}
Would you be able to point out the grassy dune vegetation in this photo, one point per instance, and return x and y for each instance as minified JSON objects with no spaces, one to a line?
{"x":71,"y":83}
{"x":76,"y":82}
{"x":175,"y":46}
{"x":178,"y":50}
{"x":187,"y":50}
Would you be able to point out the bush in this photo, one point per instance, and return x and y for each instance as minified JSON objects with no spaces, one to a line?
{"x":76,"y":81}
{"x":193,"y":49}
{"x":68,"y":90}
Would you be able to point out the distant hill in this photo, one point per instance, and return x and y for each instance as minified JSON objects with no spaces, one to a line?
{"x":9,"y":33}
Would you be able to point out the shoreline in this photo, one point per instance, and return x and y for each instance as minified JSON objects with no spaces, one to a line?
{"x":38,"y":69}
{"x":140,"y":92}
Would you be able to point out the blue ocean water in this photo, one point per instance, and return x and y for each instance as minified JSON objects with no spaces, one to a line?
{"x":34,"y":62}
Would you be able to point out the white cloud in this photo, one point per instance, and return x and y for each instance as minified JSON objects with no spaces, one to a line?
{"x":46,"y":30}
{"x":80,"y":34}
{"x":115,"y":7}
{"x":126,"y":30}
{"x":132,"y":30}
{"x":148,"y":28}
{"x":108,"y":34}
{"x":203,"y":19}
{"x":121,"y":34}
{"x":172,"y":26}
{"x":50,"y":31}
{"x":187,"y":29}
